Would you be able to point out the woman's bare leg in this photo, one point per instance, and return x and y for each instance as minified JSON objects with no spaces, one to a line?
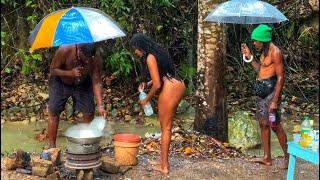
{"x":169,"y":99}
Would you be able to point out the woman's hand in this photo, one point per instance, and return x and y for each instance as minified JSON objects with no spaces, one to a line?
{"x":245,"y":50}
{"x":149,"y":83}
{"x":141,"y":87}
{"x":143,"y":102}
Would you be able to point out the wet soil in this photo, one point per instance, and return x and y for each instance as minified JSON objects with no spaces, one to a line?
{"x":185,"y":168}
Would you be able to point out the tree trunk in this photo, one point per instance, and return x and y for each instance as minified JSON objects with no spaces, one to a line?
{"x":211,"y":113}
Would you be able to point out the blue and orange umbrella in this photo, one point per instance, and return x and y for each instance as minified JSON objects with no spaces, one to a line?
{"x":74,"y":25}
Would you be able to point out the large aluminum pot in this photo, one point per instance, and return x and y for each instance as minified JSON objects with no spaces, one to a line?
{"x":83,"y":140}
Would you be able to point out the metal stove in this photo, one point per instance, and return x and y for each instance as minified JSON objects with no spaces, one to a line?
{"x":82,"y":161}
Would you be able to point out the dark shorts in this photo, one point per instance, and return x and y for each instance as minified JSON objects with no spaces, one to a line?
{"x":59,"y":92}
{"x":263,"y":108}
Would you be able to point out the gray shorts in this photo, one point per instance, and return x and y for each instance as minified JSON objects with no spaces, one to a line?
{"x":263,"y":108}
{"x":59,"y":92}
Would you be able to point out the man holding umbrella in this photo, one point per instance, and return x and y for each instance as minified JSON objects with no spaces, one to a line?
{"x":268,"y":87}
{"x":75,"y":72}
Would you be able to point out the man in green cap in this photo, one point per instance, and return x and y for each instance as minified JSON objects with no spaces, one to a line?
{"x":268,"y":89}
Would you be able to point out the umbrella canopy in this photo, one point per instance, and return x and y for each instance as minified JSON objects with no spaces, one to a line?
{"x":245,"y":12}
{"x":74,"y":25}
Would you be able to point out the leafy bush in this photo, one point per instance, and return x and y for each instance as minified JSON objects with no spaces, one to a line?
{"x":120,"y":63}
{"x":29,"y":62}
{"x":188,"y":73}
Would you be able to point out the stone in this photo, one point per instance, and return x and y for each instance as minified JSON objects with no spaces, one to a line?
{"x":9,"y":163}
{"x":33,"y":119}
{"x":44,"y":95}
{"x":41,"y":167}
{"x":114,"y":113}
{"x":314,"y":5}
{"x":55,"y":155}
{"x":127,"y":118}
{"x":53,"y":176}
{"x":124,"y":169}
{"x":19,"y":159}
{"x":109,"y":165}
{"x":243,"y":131}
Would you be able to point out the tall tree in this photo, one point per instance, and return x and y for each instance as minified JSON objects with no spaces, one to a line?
{"x":211,"y":113}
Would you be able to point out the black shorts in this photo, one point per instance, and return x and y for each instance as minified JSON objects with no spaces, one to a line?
{"x":59,"y":92}
{"x":263,"y":105}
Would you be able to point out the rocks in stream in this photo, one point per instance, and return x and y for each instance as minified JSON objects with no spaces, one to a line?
{"x":54,"y":154}
{"x":41,"y":167}
{"x":243,"y":131}
{"x":18,"y":159}
{"x":109,"y":165}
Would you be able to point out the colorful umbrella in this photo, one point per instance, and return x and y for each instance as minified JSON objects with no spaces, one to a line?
{"x":74,"y":25}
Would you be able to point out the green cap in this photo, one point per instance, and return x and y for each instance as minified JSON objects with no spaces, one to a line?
{"x":262,"y":33}
{"x":306,"y":117}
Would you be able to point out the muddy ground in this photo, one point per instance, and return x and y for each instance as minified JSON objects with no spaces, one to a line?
{"x":186,"y":168}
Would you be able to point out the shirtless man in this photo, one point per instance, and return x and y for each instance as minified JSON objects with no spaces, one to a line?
{"x":268,"y":88}
{"x":75,"y":72}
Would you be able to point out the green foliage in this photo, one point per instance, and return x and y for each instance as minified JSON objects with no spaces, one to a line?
{"x":188,"y":73}
{"x":166,"y":3}
{"x":120,"y":63}
{"x":3,"y":38}
{"x":29,"y":62}
{"x":7,"y":70}
{"x":307,"y":35}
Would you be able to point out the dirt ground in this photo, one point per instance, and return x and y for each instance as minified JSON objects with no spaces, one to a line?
{"x":185,"y":168}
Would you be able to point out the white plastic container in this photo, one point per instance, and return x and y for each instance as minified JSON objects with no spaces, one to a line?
{"x":148,"y":111}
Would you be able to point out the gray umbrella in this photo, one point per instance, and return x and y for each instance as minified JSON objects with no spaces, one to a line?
{"x":245,"y":12}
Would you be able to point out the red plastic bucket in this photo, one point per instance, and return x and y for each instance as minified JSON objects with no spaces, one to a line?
{"x":126,"y":147}
{"x":127,"y":138}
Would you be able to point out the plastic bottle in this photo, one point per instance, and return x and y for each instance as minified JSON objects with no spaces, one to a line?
{"x":272,"y":120}
{"x":305,"y":131}
{"x":147,"y":108}
{"x":305,"y":125}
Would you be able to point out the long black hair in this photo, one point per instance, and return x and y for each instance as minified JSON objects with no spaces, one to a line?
{"x":148,"y":46}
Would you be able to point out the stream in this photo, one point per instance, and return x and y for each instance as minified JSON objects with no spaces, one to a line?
{"x":16,"y":135}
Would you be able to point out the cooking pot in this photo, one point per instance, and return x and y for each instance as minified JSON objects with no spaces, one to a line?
{"x":83,"y":140}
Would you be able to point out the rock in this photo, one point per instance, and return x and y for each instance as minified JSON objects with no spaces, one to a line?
{"x":88,"y":174}
{"x":109,"y":165}
{"x":314,"y":5}
{"x":242,"y":131}
{"x":55,"y":155}
{"x":44,"y":95}
{"x":127,"y":118}
{"x":33,"y":119}
{"x":124,"y":169}
{"x":41,"y":167}
{"x":151,"y":121}
{"x":24,"y":95}
{"x":136,"y":108}
{"x":114,"y":113}
{"x":53,"y":176}
{"x":23,"y":171}
{"x":45,"y":156}
{"x":19,"y":159}
{"x":9,"y":164}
